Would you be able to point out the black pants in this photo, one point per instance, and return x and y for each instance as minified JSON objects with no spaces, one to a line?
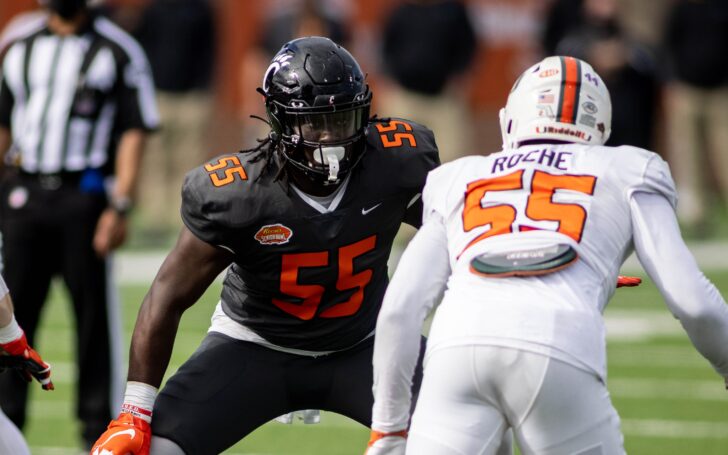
{"x":47,"y":230}
{"x":228,"y":388}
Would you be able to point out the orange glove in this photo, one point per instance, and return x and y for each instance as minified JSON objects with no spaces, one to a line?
{"x":21,"y":357}
{"x":125,"y":435}
{"x":386,"y":443}
{"x":628,"y":281}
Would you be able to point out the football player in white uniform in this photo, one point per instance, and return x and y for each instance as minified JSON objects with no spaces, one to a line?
{"x":526,"y":245}
{"x":16,"y":354}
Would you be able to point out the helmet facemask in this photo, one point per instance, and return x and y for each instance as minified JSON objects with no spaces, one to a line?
{"x":323,"y":142}
{"x":318,"y":106}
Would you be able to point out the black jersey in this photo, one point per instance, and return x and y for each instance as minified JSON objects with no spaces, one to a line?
{"x":301,"y":278}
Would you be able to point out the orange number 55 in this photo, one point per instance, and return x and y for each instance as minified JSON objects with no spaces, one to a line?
{"x":310,"y":294}
{"x":397,"y":138}
{"x":539,"y":205}
{"x":231,"y":166}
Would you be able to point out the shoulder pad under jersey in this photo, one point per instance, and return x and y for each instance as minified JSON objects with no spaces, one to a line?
{"x":222,"y":195}
{"x":436,"y":196}
{"x":652,"y":176}
{"x":407,"y":151}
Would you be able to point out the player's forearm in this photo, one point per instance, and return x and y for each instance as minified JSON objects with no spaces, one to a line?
{"x":184,"y":275}
{"x":399,"y":326}
{"x":691,"y":297}
{"x":6,"y":305}
{"x":6,"y":310}
{"x":396,"y":348}
{"x":5,"y":141}
{"x":151,"y":344}
{"x":157,"y":324}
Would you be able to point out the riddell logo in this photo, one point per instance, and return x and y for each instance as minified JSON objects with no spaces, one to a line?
{"x":564,"y":131}
{"x":273,"y":234}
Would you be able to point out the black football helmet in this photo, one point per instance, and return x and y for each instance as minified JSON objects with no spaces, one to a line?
{"x":318,"y":107}
{"x":67,"y":9}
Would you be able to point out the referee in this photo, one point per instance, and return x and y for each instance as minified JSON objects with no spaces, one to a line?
{"x":76,"y":103}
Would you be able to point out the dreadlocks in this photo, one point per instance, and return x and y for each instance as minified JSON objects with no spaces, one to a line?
{"x":266,"y":150}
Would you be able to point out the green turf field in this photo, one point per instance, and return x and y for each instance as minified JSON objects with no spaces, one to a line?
{"x":669,"y":399}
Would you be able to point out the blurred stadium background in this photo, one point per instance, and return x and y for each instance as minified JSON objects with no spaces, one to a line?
{"x":670,"y":400}
{"x":509,"y":39}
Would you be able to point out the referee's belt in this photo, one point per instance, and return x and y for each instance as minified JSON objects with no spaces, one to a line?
{"x":55,"y":180}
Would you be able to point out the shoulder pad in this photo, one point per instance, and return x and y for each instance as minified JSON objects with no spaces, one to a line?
{"x":440,"y":184}
{"x":402,"y":134}
{"x":652,"y":175}
{"x":408,"y":150}
{"x":211,"y":192}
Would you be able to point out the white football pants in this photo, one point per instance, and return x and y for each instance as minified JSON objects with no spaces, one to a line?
{"x":471,"y":395}
{"x":11,"y":439}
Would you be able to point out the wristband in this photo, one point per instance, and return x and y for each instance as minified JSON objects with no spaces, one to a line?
{"x":10,"y":332}
{"x":139,"y":400}
{"x":377,"y":435}
{"x":121,"y":205}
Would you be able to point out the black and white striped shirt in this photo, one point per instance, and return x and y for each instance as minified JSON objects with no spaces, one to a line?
{"x":67,"y":99}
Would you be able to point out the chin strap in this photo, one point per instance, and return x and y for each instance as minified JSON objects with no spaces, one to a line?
{"x":333,"y":167}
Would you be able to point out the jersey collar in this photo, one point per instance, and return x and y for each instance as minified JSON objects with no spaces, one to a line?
{"x":314,"y":201}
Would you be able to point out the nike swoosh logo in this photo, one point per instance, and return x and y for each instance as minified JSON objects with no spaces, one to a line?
{"x":131,"y":432}
{"x":413,"y":200}
{"x":365,"y":211}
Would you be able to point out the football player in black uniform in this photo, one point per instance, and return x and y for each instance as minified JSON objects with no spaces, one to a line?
{"x":305,"y":222}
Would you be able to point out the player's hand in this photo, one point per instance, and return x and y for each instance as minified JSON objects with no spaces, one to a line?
{"x":386,"y":443}
{"x":110,"y":232}
{"x":22,"y":358}
{"x":125,"y":435}
{"x":628,"y":281}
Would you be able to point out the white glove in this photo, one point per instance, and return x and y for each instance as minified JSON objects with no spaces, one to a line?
{"x":387,"y":443}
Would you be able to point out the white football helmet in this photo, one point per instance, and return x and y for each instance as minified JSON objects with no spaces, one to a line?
{"x":561,"y":99}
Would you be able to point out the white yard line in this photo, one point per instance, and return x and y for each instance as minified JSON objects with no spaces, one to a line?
{"x":710,"y":255}
{"x":669,"y":389}
{"x":638,"y":325}
{"x":674,"y":357}
{"x":674,"y":429}
{"x":141,"y":267}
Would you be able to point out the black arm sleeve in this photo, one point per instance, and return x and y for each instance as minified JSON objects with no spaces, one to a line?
{"x":135,"y":95}
{"x":7,"y":101}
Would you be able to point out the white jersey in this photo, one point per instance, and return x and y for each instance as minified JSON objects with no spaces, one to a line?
{"x":537,"y":196}
{"x":603,"y":201}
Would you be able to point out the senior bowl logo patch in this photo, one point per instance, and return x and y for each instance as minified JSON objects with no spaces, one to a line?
{"x":273,"y":234}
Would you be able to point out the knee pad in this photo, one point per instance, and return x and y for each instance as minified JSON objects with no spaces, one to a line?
{"x":164,"y":446}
